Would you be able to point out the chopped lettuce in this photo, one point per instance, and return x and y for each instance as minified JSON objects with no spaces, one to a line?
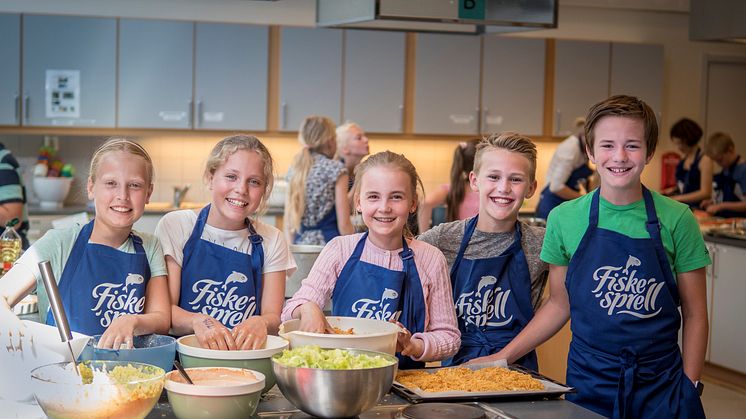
{"x":312,"y":356}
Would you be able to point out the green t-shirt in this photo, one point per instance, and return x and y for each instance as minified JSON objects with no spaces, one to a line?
{"x":680,"y":233}
{"x":56,"y":246}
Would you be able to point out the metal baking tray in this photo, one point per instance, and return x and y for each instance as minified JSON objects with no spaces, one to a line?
{"x":552,"y":389}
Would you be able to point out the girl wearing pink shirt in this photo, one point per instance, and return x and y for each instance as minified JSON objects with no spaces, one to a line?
{"x":384,"y":271}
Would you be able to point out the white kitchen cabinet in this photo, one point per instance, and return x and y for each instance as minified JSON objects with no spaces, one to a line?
{"x":637,"y":70}
{"x":83,"y":44}
{"x":728,"y":340}
{"x":230,"y":76}
{"x":710,"y":273}
{"x":374,"y":80}
{"x":581,"y":79}
{"x":446,"y":98}
{"x":310,"y":75}
{"x":10,"y":77}
{"x":512,"y":85}
{"x":155,"y":74}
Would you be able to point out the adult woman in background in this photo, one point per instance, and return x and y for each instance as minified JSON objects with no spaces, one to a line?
{"x":317,"y":208}
{"x":694,"y":171}
{"x":460,"y":200}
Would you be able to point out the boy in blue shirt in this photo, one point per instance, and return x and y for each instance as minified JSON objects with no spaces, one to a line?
{"x":730,"y":184}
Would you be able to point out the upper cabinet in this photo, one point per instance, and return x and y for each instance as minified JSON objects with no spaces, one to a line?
{"x":69,"y":71}
{"x":446,"y":97}
{"x":513,"y":85}
{"x":230,"y":78}
{"x":581,"y":78}
{"x":310,"y":75}
{"x":374,"y":80}
{"x":637,"y":70}
{"x":155,"y":74}
{"x":10,"y":77}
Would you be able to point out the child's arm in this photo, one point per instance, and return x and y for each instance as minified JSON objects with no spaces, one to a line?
{"x":252,"y":332}
{"x":15,"y":284}
{"x":693,"y":292}
{"x":547,"y":321}
{"x":733,"y":206}
{"x":705,"y":188}
{"x":342,"y":205}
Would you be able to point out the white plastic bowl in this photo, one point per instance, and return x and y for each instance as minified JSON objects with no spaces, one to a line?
{"x":52,"y":191}
{"x":369,"y":334}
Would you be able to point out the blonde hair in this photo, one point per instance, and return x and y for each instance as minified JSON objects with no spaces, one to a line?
{"x":315,"y":132}
{"x":393,"y":160}
{"x":718,"y":144}
{"x":115,"y":144}
{"x":510,"y":141}
{"x":230,"y":145}
{"x":343,"y":134}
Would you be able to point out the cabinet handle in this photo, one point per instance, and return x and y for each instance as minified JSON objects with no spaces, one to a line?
{"x":198,"y":117}
{"x":17,"y":104}
{"x":558,"y":114}
{"x":283,"y":114}
{"x":26,"y":106}
{"x":401,"y":118}
{"x":190,"y":122}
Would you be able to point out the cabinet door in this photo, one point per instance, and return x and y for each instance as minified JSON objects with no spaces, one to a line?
{"x":581,"y":79}
{"x":728,"y":309}
{"x":84,"y":45}
{"x":310,"y":75}
{"x":374,"y":80}
{"x":513,"y":85}
{"x":10,"y":70}
{"x":230,"y":78}
{"x":637,"y":70}
{"x":447,"y":87}
{"x":155,"y":74}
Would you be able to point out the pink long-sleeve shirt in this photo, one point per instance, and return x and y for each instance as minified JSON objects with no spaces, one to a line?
{"x":441,"y":337}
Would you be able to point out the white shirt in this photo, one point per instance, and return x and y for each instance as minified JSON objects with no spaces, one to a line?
{"x":568,"y":157}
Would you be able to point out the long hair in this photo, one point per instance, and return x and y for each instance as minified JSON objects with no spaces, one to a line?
{"x":463,"y":163}
{"x":315,"y":132}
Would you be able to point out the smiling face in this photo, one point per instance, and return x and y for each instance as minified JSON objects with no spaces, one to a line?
{"x":120,"y":190}
{"x":503,"y":182}
{"x":237,"y":187}
{"x":620,"y":155}
{"x":385,"y":201}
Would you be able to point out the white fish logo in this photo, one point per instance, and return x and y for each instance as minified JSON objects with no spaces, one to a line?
{"x":133,"y":279}
{"x":484,"y":282}
{"x":389,"y":294}
{"x":631,"y":261}
{"x":236,"y":277}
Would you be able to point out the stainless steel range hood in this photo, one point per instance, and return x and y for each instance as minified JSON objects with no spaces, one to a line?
{"x":717,"y":20}
{"x":464,"y":16}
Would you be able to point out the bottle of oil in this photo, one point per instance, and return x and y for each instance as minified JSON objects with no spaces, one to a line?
{"x":10,"y":245}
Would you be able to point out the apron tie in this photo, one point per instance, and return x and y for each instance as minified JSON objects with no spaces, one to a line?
{"x":628,"y":361}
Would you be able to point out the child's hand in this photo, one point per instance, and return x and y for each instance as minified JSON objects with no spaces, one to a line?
{"x":481,"y":359}
{"x":12,"y":331}
{"x":119,"y":332}
{"x":712,"y":209}
{"x":251,"y":333}
{"x":406,"y":345}
{"x":212,"y":334}
{"x":312,"y":319}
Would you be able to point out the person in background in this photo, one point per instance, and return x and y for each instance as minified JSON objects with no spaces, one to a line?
{"x":623,"y":261}
{"x":317,"y":208}
{"x":730,"y":184}
{"x":496,"y":274}
{"x":226,"y":268}
{"x":352,"y":147}
{"x":568,"y":176}
{"x":112,"y":280}
{"x":384,"y":271}
{"x":12,"y":195}
{"x":461,"y":201}
{"x":694,"y":171}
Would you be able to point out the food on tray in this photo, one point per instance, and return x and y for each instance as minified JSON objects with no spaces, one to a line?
{"x":312,"y":356}
{"x":337,"y":331}
{"x":464,"y":379}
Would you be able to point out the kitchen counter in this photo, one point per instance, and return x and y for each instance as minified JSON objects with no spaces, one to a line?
{"x":725,"y":240}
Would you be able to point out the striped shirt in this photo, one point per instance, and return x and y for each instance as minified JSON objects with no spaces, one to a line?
{"x":12,"y":189}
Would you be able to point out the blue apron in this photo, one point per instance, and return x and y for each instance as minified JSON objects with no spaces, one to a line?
{"x":327,"y":225}
{"x":360,"y":283}
{"x":624,"y":356}
{"x":725,"y":185}
{"x":223,"y":283}
{"x":493,"y":300}
{"x":100,"y":283}
{"x":548,"y":199}
{"x":689,"y":180}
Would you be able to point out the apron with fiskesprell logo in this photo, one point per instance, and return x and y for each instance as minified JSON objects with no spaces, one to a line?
{"x":100,"y":283}
{"x":223,"y":283}
{"x":624,"y":356}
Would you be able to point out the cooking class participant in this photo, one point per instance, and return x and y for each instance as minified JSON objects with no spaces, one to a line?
{"x":12,"y":195}
{"x":226,"y":268}
{"x":694,"y":171}
{"x":568,"y":175}
{"x":460,"y":200}
{"x":384,"y":271}
{"x":112,"y":279}
{"x":622,"y":260}
{"x":352,"y":147}
{"x":317,"y":208}
{"x":730,"y":184}
{"x":496,"y":273}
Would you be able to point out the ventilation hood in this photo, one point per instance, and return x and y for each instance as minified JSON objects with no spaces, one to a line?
{"x":717,"y":20}
{"x":463,"y":16}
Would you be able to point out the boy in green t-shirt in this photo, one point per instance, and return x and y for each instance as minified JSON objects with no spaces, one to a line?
{"x":622,"y":260}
